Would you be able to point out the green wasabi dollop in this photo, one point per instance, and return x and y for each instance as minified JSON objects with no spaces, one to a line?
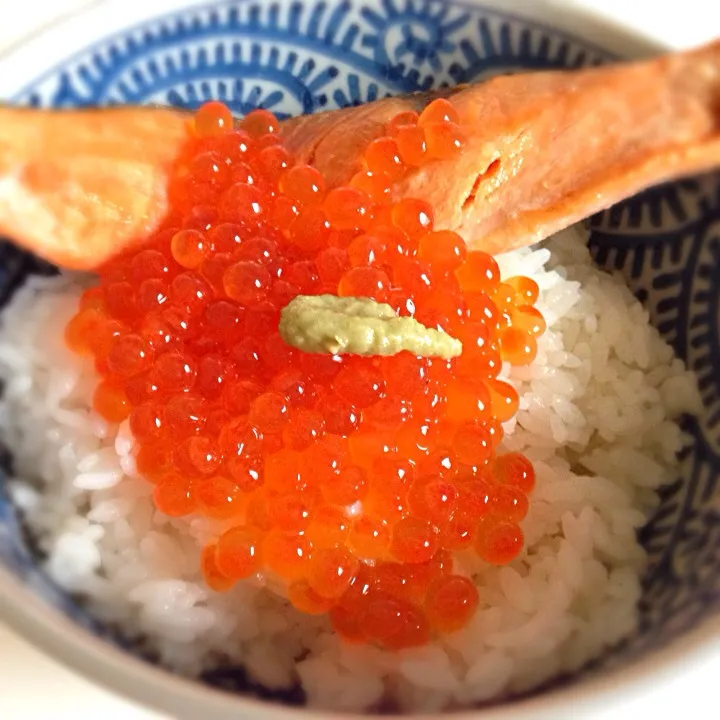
{"x":359,"y":326}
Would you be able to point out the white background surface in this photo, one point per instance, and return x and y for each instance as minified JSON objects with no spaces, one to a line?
{"x":34,"y":687}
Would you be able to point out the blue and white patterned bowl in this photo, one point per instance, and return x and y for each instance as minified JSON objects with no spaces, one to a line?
{"x":297,"y":57}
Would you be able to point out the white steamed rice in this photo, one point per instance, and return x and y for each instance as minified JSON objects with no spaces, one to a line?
{"x":596,"y":418}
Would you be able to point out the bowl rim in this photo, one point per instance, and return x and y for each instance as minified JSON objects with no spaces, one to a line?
{"x":31,"y":51}
{"x":165,"y":692}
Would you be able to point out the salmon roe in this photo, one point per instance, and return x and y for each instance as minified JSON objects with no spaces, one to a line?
{"x":351,"y":479}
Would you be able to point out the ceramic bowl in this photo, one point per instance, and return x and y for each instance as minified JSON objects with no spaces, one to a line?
{"x":303,"y":56}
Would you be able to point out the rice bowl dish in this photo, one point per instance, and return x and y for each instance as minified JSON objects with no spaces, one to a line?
{"x":597,"y":418}
{"x":545,"y":531}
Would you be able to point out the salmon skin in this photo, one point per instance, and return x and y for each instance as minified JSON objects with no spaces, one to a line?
{"x":78,"y":187}
{"x":544,"y":150}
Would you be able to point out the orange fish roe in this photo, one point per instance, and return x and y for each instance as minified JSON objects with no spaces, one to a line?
{"x":352,"y":479}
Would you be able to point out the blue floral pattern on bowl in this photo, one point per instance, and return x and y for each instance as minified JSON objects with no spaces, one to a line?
{"x":299,"y":57}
